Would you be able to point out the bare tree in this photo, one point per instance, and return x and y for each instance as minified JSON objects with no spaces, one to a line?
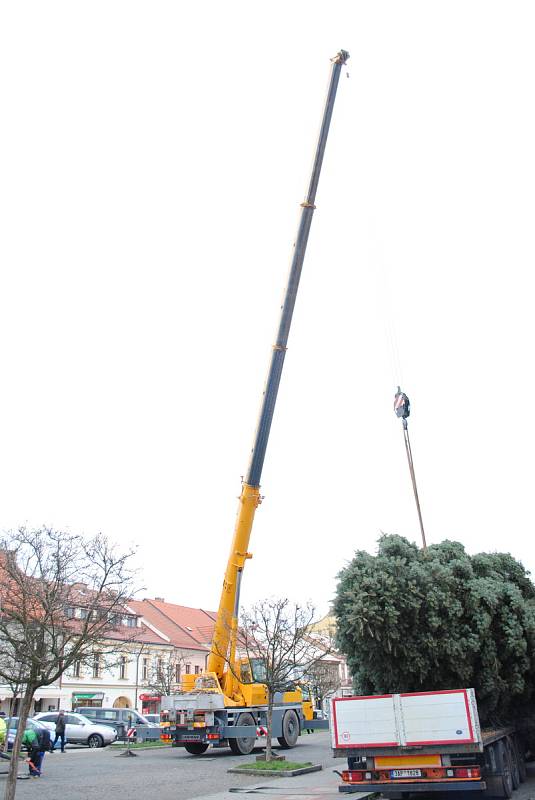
{"x":61,"y":596}
{"x":274,"y":635}
{"x":322,"y":679}
{"x":165,"y":673}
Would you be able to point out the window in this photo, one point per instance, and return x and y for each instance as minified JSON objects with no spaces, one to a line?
{"x":69,"y":612}
{"x":96,"y":665}
{"x":76,"y":669}
{"x":197,"y":669}
{"x":109,"y":714}
{"x":145,"y":669}
{"x":160,"y":667}
{"x":122,"y":668}
{"x":177,"y":673}
{"x":188,"y":669}
{"x":131,"y":622}
{"x":258,"y":667}
{"x":82,"y":613}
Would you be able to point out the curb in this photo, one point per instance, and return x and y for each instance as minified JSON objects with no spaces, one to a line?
{"x":283,"y":773}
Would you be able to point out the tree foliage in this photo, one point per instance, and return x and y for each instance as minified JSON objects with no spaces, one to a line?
{"x":414,"y":620}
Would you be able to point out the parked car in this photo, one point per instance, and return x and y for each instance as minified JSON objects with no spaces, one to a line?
{"x":31,"y":724}
{"x":119,"y":718}
{"x":80,"y":730}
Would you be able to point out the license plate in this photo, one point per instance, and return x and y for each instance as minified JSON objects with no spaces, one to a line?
{"x":406,"y":773}
{"x":190,"y":738}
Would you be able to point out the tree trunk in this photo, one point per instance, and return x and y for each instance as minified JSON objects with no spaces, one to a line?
{"x":269,"y":726}
{"x":11,"y":783}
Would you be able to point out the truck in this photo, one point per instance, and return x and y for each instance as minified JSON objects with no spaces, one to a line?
{"x":399,"y":744}
{"x":226,"y":705}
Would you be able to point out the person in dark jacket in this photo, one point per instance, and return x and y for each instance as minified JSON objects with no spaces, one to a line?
{"x":60,"y":731}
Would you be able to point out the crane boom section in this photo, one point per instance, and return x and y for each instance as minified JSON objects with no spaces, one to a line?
{"x":250,"y":497}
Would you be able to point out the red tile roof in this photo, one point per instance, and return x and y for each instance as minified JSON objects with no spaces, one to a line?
{"x":142,"y":635}
{"x":189,"y":628}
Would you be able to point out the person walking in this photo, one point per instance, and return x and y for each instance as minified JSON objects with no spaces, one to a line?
{"x":60,"y":731}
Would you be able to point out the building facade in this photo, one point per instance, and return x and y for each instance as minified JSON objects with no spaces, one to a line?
{"x":189,"y":632}
{"x":144,"y":658}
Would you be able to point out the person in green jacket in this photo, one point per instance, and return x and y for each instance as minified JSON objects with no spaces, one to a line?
{"x":31,"y":743}
{"x":3,"y":728}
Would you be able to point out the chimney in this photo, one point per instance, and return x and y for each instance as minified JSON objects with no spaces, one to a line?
{"x":159,"y":599}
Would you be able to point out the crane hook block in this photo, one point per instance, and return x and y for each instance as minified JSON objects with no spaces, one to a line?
{"x":402,"y":404}
{"x":341,"y":57}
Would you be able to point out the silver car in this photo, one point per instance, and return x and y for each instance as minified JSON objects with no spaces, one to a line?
{"x":80,"y":729}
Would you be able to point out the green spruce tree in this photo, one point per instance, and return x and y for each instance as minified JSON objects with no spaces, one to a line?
{"x":414,"y":620}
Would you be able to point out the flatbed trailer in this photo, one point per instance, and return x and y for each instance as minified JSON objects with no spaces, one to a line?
{"x":399,"y":744}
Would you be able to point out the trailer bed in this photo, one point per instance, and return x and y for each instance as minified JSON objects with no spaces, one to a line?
{"x":409,"y":723}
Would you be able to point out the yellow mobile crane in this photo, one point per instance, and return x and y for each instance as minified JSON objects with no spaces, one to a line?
{"x":216,"y":707}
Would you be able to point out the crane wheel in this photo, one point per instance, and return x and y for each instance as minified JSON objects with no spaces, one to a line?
{"x":243,"y":745}
{"x":196,"y":749}
{"x":290,"y":730}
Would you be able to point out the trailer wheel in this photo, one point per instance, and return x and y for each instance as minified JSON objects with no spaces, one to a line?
{"x":519,"y":749}
{"x":504,"y":765}
{"x":243,"y":745}
{"x":290,"y":730}
{"x":513,"y":760}
{"x":196,"y":748}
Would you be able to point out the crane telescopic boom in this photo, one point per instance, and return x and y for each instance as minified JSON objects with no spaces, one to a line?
{"x":227,"y":616}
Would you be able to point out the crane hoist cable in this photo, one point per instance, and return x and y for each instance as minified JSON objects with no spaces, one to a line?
{"x":402,"y":407}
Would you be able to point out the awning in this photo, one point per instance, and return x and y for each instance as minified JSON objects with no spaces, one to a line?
{"x":44,"y":692}
{"x":89,"y":695}
{"x":48,"y":692}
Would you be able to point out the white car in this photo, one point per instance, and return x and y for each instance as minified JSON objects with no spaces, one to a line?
{"x":80,"y":729}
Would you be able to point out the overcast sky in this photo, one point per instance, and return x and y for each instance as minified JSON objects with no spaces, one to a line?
{"x":153,"y":158}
